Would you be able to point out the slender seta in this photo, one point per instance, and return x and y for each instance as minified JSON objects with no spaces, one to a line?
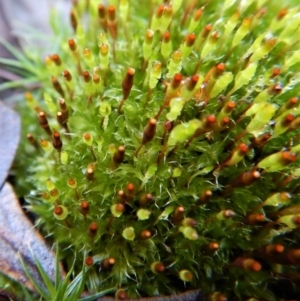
{"x":164,"y":148}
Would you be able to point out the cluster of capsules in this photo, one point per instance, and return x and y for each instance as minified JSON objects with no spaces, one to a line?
{"x":168,"y":146}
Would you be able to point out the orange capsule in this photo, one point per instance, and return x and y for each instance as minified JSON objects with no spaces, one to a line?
{"x":32,"y":140}
{"x":56,"y":59}
{"x":179,"y":214}
{"x":145,"y":199}
{"x":72,"y":45}
{"x":130,"y":190}
{"x":84,"y":207}
{"x":121,"y":295}
{"x":56,"y":141}
{"x":145,"y":234}
{"x":157,"y":267}
{"x":89,"y":261}
{"x":204,"y":197}
{"x":119,"y":155}
{"x":108,"y":263}
{"x":213,"y":246}
{"x":57,"y":86}
{"x":149,"y":131}
{"x":73,"y":20}
{"x":122,"y":196}
{"x":92,"y":230}
{"x":44,"y":123}
{"x":127,"y":83}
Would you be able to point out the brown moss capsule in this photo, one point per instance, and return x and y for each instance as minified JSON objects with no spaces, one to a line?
{"x":72,"y":45}
{"x":44,"y":123}
{"x":102,"y":16}
{"x":247,"y":264}
{"x":89,"y":261}
{"x":32,"y":141}
{"x":60,"y":117}
{"x":288,"y":157}
{"x":119,"y":155}
{"x":213,"y":246}
{"x":186,"y":275}
{"x":92,"y":230}
{"x":58,"y":88}
{"x":157,"y":267}
{"x":282,"y":13}
{"x":130,"y":190}
{"x":60,"y":212}
{"x":192,"y":82}
{"x":228,"y":213}
{"x":179,"y":214}
{"x":190,"y":222}
{"x":243,"y":148}
{"x":255,"y":219}
{"x":229,"y":106}
{"x":73,"y":20}
{"x":219,"y":69}
{"x":210,"y":121}
{"x":112,"y":24}
{"x":122,"y":196}
{"x":67,"y":75}
{"x":121,"y":295}
{"x":168,"y":11}
{"x":197,"y":15}
{"x":108,"y":263}
{"x":96,"y":79}
{"x":90,"y":172}
{"x":217,"y":296}
{"x":54,"y":193}
{"x":205,"y":31}
{"x":291,"y":103}
{"x":145,"y":234}
{"x":86,"y":77}
{"x":190,"y":39}
{"x":261,"y":140}
{"x":56,"y":59}
{"x":84,"y":207}
{"x":225,"y":122}
{"x":272,"y":249}
{"x":101,"y":11}
{"x":287,"y":120}
{"x":246,"y":178}
{"x":56,"y":141}
{"x":276,"y":89}
{"x":145,"y":199}
{"x":111,"y":13}
{"x":275,"y":72}
{"x":159,"y":11}
{"x":176,"y":81}
{"x":166,"y":37}
{"x":63,"y":106}
{"x":117,"y":209}
{"x":204,"y":197}
{"x":127,"y":82}
{"x":72,"y":183}
{"x":149,"y":131}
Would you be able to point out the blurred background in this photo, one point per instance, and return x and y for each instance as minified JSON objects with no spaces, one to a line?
{"x":26,"y":22}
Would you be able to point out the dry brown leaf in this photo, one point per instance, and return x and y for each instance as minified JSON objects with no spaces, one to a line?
{"x":9,"y":138}
{"x":17,"y":238}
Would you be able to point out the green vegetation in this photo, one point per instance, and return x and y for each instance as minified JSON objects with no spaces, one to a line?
{"x":165,"y":151}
